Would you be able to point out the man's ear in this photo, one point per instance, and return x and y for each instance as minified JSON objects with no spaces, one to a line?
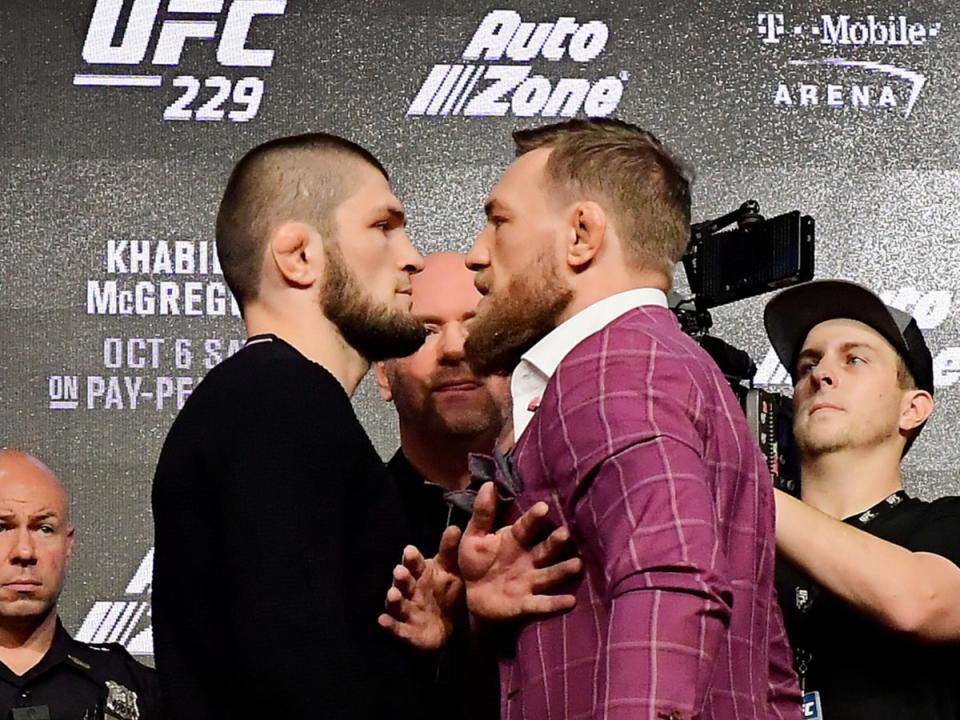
{"x":917,"y":407}
{"x":71,"y":533}
{"x":297,"y":252}
{"x":383,"y":382}
{"x":589,"y":223}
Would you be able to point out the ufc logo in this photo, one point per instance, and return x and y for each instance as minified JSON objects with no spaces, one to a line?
{"x":99,"y":47}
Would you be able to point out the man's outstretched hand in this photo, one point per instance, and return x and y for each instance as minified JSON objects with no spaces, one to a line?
{"x":509,"y":573}
{"x":514,"y":572}
{"x":422,"y":601}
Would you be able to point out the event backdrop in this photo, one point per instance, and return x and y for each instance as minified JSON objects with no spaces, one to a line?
{"x":121,"y":120}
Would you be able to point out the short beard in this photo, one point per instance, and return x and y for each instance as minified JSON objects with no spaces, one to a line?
{"x":479,"y":421}
{"x":514,"y":320}
{"x":810,"y":447}
{"x":375,"y":330}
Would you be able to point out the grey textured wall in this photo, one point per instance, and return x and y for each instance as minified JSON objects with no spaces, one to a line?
{"x":819,"y":107}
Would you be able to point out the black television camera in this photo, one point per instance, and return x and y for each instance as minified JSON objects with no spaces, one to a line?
{"x":722,"y":266}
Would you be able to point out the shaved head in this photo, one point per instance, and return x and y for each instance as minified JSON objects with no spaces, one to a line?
{"x":445,"y":275}
{"x":303,"y":178}
{"x":36,"y":537}
{"x":18,"y":468}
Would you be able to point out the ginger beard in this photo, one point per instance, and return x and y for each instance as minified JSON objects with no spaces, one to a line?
{"x":376,"y":330}
{"x":511,"y":321}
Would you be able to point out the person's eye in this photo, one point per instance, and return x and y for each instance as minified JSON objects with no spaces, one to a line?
{"x":432,"y":329}
{"x":804,"y":368}
{"x":855,"y":360}
{"x":47,"y":529}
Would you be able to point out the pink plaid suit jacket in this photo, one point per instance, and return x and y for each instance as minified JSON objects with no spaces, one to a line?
{"x":640,"y":447}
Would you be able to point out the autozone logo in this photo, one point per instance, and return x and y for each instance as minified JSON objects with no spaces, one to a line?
{"x":475,"y":88}
{"x":121,"y":33}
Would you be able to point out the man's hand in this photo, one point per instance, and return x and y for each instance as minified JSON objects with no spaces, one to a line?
{"x":423,"y":598}
{"x":509,"y":574}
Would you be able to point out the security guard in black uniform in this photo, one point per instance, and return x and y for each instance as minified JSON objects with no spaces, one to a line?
{"x":44,"y":673}
{"x":76,"y":680}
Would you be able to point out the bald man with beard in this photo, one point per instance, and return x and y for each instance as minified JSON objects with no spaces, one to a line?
{"x":445,"y":411}
{"x":44,"y":673}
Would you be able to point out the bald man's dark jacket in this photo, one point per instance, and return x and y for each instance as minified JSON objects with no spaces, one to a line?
{"x":462,"y":680}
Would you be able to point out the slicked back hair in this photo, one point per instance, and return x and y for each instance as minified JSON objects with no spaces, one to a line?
{"x":630,"y":173}
{"x":299,"y":178}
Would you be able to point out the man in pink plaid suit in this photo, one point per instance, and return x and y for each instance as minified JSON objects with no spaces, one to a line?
{"x":630,"y":434}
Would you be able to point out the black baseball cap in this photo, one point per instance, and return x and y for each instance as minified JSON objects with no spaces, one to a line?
{"x":792,"y":314}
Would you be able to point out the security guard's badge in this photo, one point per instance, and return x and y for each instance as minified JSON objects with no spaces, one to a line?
{"x":811,"y":706}
{"x":121,"y":703}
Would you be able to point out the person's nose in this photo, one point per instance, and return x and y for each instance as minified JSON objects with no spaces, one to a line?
{"x":25,"y":550}
{"x":823,"y":374}
{"x":479,"y":257}
{"x":408,"y":258}
{"x":452,"y":338}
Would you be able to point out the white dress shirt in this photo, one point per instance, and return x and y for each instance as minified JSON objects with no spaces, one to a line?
{"x":538,"y":364}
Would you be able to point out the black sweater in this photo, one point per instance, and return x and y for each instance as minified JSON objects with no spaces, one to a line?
{"x":277,"y":527}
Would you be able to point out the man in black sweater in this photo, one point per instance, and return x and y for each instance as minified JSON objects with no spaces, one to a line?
{"x":277,"y":525}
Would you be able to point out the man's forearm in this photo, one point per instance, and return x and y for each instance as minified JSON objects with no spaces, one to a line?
{"x":906,"y":591}
{"x":661,"y":653}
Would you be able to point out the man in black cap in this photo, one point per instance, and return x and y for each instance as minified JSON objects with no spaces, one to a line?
{"x":868,"y":580}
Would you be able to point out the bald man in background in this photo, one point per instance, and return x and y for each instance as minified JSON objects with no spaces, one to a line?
{"x":445,"y":412}
{"x":44,"y":673}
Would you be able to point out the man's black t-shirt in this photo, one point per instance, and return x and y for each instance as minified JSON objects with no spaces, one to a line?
{"x":864,"y":671}
{"x":277,"y":529}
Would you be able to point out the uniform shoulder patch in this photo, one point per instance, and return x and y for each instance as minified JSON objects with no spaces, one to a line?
{"x":77,"y":661}
{"x":110,"y":648}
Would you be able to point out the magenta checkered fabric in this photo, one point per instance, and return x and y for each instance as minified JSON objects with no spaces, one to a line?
{"x":640,"y":447}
